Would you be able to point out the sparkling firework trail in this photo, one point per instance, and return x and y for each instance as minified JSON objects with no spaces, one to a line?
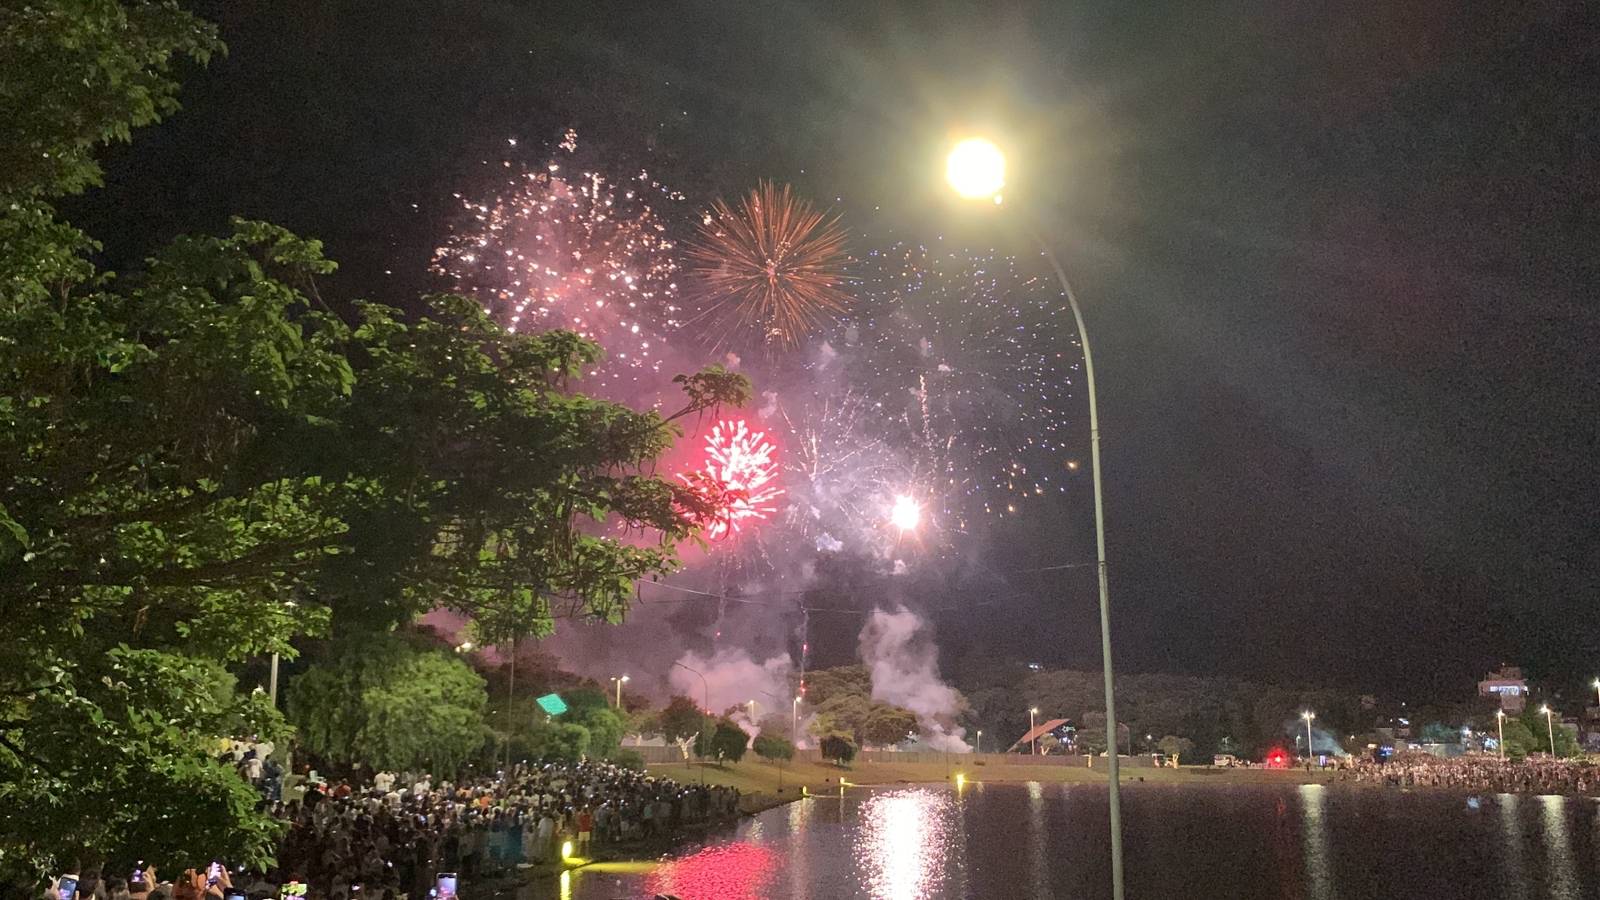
{"x":972,"y":365}
{"x":562,"y":247}
{"x":739,"y":476}
{"x":769,"y":272}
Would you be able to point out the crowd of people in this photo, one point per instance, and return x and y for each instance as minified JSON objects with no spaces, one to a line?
{"x":388,"y":837}
{"x":399,"y":829}
{"x":1482,"y":773}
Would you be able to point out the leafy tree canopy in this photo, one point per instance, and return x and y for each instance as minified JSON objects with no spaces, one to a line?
{"x":201,"y":462}
{"x":386,"y":703}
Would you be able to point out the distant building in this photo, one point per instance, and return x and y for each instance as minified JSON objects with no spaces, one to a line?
{"x":1506,"y":685}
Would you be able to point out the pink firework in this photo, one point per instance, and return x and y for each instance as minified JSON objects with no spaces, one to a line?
{"x":738,"y":476}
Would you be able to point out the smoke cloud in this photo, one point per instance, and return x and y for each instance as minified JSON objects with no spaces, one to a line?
{"x":732,"y":678}
{"x":904,"y":662}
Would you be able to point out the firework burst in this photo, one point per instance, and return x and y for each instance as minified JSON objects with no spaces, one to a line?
{"x":738,"y":478}
{"x":559,"y":246}
{"x":769,"y":272}
{"x":970,"y":369}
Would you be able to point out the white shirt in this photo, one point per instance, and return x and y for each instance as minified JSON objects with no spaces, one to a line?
{"x":383,"y":781}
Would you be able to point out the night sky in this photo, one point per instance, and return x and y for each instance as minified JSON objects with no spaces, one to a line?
{"x":1338,"y":260}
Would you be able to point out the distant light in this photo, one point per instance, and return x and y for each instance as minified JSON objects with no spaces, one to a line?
{"x":566,"y":849}
{"x":906,"y":514}
{"x":976,"y":168}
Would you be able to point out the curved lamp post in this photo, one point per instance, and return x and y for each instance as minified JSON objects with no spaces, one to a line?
{"x":976,"y":169}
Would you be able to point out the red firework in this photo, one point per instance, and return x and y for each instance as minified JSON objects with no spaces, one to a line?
{"x":739,"y":478}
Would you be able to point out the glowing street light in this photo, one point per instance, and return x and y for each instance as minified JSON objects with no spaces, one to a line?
{"x":1500,"y":728}
{"x":1308,"y":715}
{"x":979,"y":748}
{"x":1033,"y":742}
{"x":1596,"y":683}
{"x":619,"y":679}
{"x":794,"y":721}
{"x":1549,"y":726}
{"x":905,"y":514}
{"x":976,"y":169}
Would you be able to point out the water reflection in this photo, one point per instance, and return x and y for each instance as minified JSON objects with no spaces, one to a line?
{"x":1511,"y":848}
{"x":1006,"y":841}
{"x":739,"y":870}
{"x":1563,"y":871}
{"x":1319,"y":855}
{"x":1038,"y":852}
{"x":903,"y":844}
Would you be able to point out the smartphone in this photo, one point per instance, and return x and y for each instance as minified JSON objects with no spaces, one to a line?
{"x":446,"y":884}
{"x":138,"y":873}
{"x":235,"y":894}
{"x":69,"y":886}
{"x":355,"y":890}
{"x":292,"y":891}
{"x":213,"y":873}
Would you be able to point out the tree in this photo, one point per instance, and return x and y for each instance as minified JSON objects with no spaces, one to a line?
{"x":1175,"y":746}
{"x":867,"y":721}
{"x":682,"y":719}
{"x":385,"y":703}
{"x":838,"y":748}
{"x":728,"y":741}
{"x":201,"y":462}
{"x":773,"y":747}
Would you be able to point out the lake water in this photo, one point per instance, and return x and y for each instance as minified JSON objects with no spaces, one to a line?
{"x":1032,"y":840}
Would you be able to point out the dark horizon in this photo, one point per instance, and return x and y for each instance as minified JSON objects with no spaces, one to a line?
{"x":1338,"y":268}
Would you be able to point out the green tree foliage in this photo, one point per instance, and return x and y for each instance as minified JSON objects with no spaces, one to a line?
{"x":384,"y":702}
{"x":773,"y":747}
{"x":200,"y":462}
{"x":1530,"y":734}
{"x":80,"y":73}
{"x":1175,"y":746}
{"x":728,"y":741}
{"x":838,"y":748}
{"x":841,"y":700}
{"x":682,"y":719}
{"x":629,"y":759}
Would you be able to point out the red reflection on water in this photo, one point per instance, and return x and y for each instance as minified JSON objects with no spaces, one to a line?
{"x":736,"y":871}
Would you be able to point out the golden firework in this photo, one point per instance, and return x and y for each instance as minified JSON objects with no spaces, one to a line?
{"x":772,"y":269}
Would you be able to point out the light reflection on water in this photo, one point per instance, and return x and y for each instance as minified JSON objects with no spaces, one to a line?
{"x":904,"y":838}
{"x":1266,"y":842}
{"x":1558,"y":849}
{"x":1319,"y":855}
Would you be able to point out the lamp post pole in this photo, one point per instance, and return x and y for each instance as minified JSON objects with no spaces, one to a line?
{"x":1500,"y":728}
{"x":1550,"y":728}
{"x":1033,"y":741}
{"x":976,"y":170}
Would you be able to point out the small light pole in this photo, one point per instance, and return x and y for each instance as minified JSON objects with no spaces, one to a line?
{"x":619,"y":679}
{"x":1597,"y":690}
{"x":794,"y":721}
{"x":1549,"y":725}
{"x":1033,"y":741}
{"x":1500,"y":728}
{"x":979,"y":748}
{"x":1308,"y":715}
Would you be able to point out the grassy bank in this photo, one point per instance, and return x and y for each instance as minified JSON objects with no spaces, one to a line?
{"x":760,"y":780}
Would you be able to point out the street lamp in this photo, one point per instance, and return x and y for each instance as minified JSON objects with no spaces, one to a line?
{"x":975,"y":169}
{"x":794,"y":721}
{"x":619,"y":679}
{"x":1549,"y":725}
{"x":1597,"y":690}
{"x":1500,"y":728}
{"x":1033,"y":742}
{"x":979,"y":748}
{"x":1308,"y":715}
